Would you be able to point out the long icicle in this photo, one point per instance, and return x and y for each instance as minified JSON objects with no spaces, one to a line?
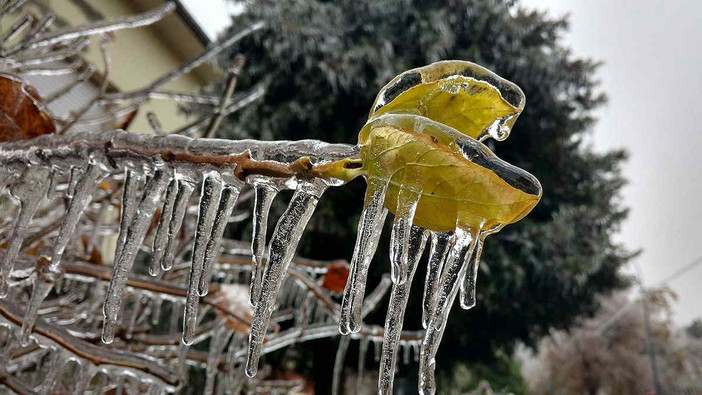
{"x":407,"y":201}
{"x":211,"y":191}
{"x":185,"y":189}
{"x":282,"y":247}
{"x":226,"y":203}
{"x":416,"y":240}
{"x":218,"y":341}
{"x":40,"y":289}
{"x":470,"y":279}
{"x":161,"y":237}
{"x":132,"y":182}
{"x":440,"y":246}
{"x":339,"y":363}
{"x":369,"y":229}
{"x":82,"y":195}
{"x":453,"y":271}
{"x":264,"y":191}
{"x":360,"y":373}
{"x":29,"y":191}
{"x":123,"y":265}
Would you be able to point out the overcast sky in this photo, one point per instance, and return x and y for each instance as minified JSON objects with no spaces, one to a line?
{"x":652,"y":72}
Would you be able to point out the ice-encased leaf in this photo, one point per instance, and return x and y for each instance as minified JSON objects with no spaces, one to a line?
{"x":463,"y":183}
{"x":459,"y":94}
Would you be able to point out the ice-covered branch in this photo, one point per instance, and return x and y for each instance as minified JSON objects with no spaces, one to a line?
{"x":103,"y":26}
{"x":95,"y":354}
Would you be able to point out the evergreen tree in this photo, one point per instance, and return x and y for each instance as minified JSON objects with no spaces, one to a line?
{"x":324,"y":62}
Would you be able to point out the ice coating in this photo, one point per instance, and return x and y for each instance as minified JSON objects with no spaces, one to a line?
{"x":396,"y":309}
{"x":29,"y":191}
{"x":339,"y":364}
{"x":462,"y":182}
{"x":440,"y":246}
{"x":407,"y":201}
{"x":185,"y":189}
{"x":130,"y":195}
{"x":161,"y":237}
{"x":369,"y":228}
{"x":134,"y":236}
{"x":265,"y":191}
{"x":283,"y":244}
{"x":459,"y":94}
{"x":470,"y":278}
{"x":228,"y":198}
{"x":82,"y":194}
{"x":212,"y":187}
{"x":453,"y":271}
{"x":397,"y":182}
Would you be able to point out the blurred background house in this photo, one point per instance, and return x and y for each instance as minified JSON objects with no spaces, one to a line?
{"x":137,"y":57}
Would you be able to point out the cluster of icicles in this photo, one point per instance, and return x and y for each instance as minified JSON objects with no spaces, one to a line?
{"x":163,"y":172}
{"x":423,"y":121}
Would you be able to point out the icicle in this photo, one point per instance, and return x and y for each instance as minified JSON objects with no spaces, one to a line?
{"x":404,"y":216}
{"x":405,"y":352}
{"x":339,"y":363}
{"x":83,"y":379}
{"x":120,"y":384}
{"x":217,"y":343}
{"x":377,"y":349}
{"x":470,"y":279}
{"x":415,"y":349}
{"x":185,"y":189}
{"x":41,"y":288}
{"x":73,"y":175}
{"x":156,"y":310}
{"x":265,"y":191}
{"x":369,"y":228}
{"x":226,"y":203}
{"x":452,"y":273}
{"x":182,"y":360}
{"x":52,"y":183}
{"x":210,"y":195}
{"x":29,"y":191}
{"x":161,"y":237}
{"x":175,"y":315}
{"x":133,"y":317}
{"x":282,"y":247}
{"x":52,"y":373}
{"x":155,"y":389}
{"x":440,"y":246}
{"x":129,"y":201}
{"x":81,"y":197}
{"x":99,"y":387}
{"x":362,"y":350}
{"x":396,"y":310}
{"x":123,"y":265}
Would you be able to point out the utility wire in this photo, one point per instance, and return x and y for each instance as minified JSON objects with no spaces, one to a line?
{"x":617,"y":315}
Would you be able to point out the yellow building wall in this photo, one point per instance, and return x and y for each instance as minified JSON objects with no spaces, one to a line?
{"x":138,"y":56}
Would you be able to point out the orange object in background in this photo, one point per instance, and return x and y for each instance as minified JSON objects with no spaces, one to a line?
{"x":21,"y":113}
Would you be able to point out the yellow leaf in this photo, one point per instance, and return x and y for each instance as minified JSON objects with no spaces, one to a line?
{"x":462,"y":183}
{"x":460,"y":94}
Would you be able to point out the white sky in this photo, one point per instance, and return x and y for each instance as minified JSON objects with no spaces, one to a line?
{"x":652,"y":53}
